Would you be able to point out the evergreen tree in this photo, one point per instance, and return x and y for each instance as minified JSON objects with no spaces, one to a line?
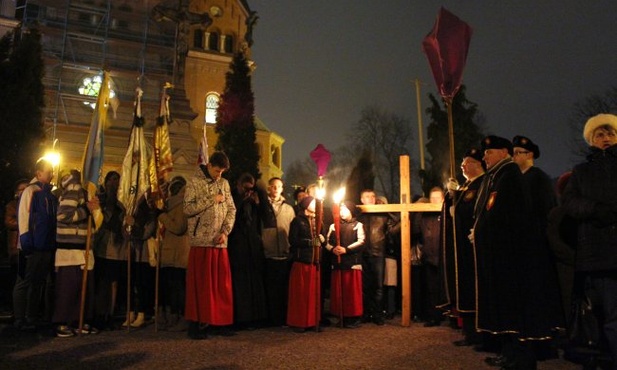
{"x":235,"y":121}
{"x":467,"y":134}
{"x":22,"y":131}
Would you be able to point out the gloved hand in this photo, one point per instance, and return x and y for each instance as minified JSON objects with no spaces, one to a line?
{"x":452,"y":184}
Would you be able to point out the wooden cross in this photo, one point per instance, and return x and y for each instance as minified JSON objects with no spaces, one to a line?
{"x":405,"y":207}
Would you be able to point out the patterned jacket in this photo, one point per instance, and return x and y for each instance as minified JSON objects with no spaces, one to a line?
{"x":208,"y":219}
{"x":72,"y":218}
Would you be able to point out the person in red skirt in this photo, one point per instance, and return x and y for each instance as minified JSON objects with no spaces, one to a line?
{"x":211,"y":211}
{"x":346,"y":282}
{"x":304,"y":301}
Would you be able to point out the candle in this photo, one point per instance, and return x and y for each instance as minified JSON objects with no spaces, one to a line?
{"x":336,"y":213}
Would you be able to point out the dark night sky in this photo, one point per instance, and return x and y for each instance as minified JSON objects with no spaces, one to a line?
{"x":320,"y":62}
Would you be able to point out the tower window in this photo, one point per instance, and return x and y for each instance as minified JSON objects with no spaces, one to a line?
{"x":212,"y":104}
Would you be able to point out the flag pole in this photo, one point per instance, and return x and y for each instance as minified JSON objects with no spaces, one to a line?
{"x":162,"y":148}
{"x":451,"y":136}
{"x":84,"y":277}
{"x":91,"y":172}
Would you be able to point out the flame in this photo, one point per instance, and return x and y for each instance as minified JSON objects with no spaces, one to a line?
{"x":338,"y":195}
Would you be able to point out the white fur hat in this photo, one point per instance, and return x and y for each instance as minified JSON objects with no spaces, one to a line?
{"x":596,"y":121}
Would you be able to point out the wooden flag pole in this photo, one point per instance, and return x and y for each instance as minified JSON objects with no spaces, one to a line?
{"x":84,"y":278}
{"x":451,"y":136}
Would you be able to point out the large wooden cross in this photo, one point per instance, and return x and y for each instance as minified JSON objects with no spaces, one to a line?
{"x":405,"y":207}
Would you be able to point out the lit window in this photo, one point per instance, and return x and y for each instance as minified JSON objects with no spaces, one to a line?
{"x":90,"y":86}
{"x":212,"y":104}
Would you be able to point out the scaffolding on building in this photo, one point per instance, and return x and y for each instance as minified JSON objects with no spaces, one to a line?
{"x":80,"y":38}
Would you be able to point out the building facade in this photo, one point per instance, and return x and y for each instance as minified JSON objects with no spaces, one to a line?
{"x":146,"y":44}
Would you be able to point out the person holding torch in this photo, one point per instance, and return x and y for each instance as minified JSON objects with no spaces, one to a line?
{"x":345,"y":241}
{"x":303,"y":308}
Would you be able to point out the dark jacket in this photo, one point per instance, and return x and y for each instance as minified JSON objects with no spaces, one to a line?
{"x":37,"y":218}
{"x":376,"y":230}
{"x":301,"y":239}
{"x":591,"y":198}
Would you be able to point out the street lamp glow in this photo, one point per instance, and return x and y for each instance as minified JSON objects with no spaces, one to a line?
{"x":52,"y":157}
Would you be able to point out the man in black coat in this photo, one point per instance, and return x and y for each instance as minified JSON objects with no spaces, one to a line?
{"x":591,"y":198}
{"x":517,"y":296}
{"x":537,"y":182}
{"x":459,"y":263}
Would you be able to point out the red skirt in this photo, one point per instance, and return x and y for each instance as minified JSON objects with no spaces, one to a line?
{"x":209,"y":298}
{"x":351,"y":283}
{"x":304,"y":302}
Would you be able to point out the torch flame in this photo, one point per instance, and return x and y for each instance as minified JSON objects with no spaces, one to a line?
{"x":320,"y":193}
{"x":338,"y":195}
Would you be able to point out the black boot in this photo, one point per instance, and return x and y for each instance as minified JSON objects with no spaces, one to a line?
{"x":194,"y":332}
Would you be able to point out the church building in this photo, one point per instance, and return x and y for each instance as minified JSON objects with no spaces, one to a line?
{"x":148,"y":44}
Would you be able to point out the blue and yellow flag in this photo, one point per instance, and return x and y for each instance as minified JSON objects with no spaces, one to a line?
{"x":93,"y":155}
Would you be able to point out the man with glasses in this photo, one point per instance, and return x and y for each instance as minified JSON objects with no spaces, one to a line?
{"x":537,"y":183}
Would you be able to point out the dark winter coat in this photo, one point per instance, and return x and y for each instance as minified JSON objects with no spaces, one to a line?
{"x":376,"y":230}
{"x":459,"y":260}
{"x":301,"y":239}
{"x":517,"y":285}
{"x":591,"y":198}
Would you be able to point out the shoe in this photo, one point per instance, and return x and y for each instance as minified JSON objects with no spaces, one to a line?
{"x":129,"y":320}
{"x":194,"y":332}
{"x":222,"y":331}
{"x":181,"y":325}
{"x":28,"y":326}
{"x":197,"y":335}
{"x":431,"y":323}
{"x":298,"y":330}
{"x":462,"y":343}
{"x":64,"y":331}
{"x":378,"y":320}
{"x":367,"y":319}
{"x":86,"y":329}
{"x":499,"y":361}
{"x":351,"y":324}
{"x":140,"y":320}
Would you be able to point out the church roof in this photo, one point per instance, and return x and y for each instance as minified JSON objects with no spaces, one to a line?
{"x":260,"y":125}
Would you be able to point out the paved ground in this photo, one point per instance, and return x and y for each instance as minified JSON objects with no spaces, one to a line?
{"x":368,"y":347}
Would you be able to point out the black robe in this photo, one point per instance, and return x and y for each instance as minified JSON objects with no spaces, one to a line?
{"x":459,"y":263}
{"x":517,"y":289}
{"x":247,"y":259}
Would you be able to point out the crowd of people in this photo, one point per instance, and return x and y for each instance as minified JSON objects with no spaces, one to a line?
{"x":505,"y":260}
